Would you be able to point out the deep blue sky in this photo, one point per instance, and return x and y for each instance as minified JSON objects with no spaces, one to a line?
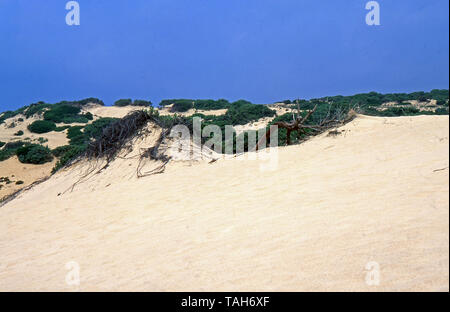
{"x":260,"y":50}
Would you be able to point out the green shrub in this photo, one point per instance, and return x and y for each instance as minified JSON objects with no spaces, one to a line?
{"x":183,"y":105}
{"x":61,"y":113}
{"x":2,"y":143}
{"x":87,"y":101}
{"x":78,"y":141}
{"x":5,"y":180}
{"x":70,"y":154}
{"x":9,"y":114}
{"x":19,"y":133}
{"x":19,"y":182}
{"x":88,"y":116}
{"x":62,"y":128}
{"x":95,"y":129}
{"x":61,"y":150}
{"x":74,"y":131}
{"x":75,"y":135}
{"x":36,"y":108}
{"x":142,"y":103}
{"x":75,"y":119}
{"x":34,"y":154}
{"x":123,"y":102}
{"x":5,"y":154}
{"x":42,"y":126}
{"x":14,"y":145}
{"x":10,"y":149}
{"x":441,"y":111}
{"x":394,"y":111}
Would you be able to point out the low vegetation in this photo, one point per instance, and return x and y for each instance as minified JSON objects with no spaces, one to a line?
{"x":90,"y":139}
{"x":183,"y":105}
{"x":41,"y":126}
{"x":34,"y":154}
{"x":371,"y":103}
{"x":79,"y":138}
{"x":129,"y":102}
{"x":9,"y":149}
{"x":67,"y":114}
{"x":40,"y":108}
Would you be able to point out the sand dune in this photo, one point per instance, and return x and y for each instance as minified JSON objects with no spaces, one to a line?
{"x":377,"y":192}
{"x":53,"y":139}
{"x":27,"y":173}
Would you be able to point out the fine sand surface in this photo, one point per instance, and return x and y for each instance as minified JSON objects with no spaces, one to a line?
{"x":377,"y":192}
{"x":17,"y":171}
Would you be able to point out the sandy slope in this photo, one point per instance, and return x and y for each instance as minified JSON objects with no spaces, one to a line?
{"x":376,"y":192}
{"x":13,"y":168}
{"x":17,"y":171}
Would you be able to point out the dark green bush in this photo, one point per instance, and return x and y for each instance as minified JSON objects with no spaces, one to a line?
{"x":183,"y":105}
{"x":14,"y":145}
{"x":441,"y":111}
{"x":211,"y":104}
{"x":61,"y":150}
{"x":76,"y":136}
{"x":34,"y":154}
{"x":123,"y":102}
{"x":142,"y":103}
{"x":69,"y":155}
{"x":36,"y":108}
{"x":62,"y":113}
{"x":242,"y":112}
{"x":75,"y":119}
{"x":19,"y":133}
{"x":2,"y":143}
{"x":95,"y":129}
{"x":78,"y":141}
{"x":88,"y":101}
{"x":62,"y":128}
{"x":74,"y":131}
{"x":5,"y":154}
{"x":41,"y":126}
{"x":19,"y":182}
